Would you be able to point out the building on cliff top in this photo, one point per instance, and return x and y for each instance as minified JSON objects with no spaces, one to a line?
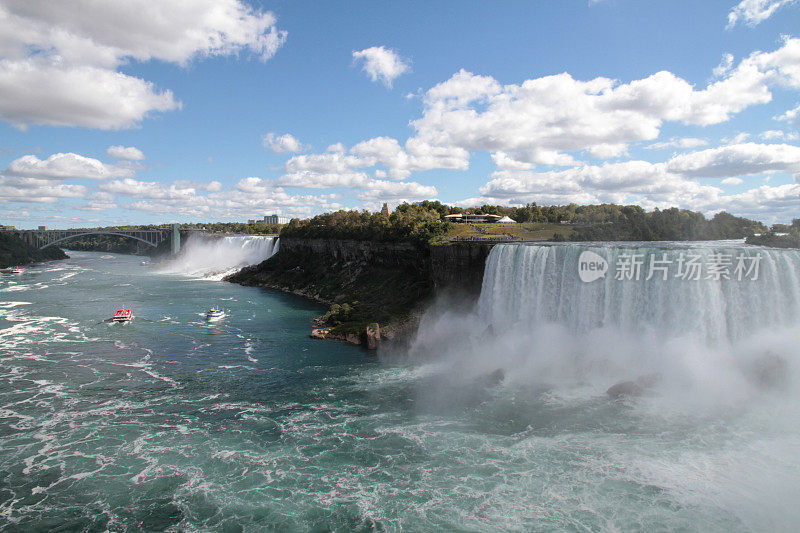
{"x":472,"y":219}
{"x":276,"y":219}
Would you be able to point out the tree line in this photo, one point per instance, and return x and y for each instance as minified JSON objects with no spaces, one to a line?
{"x":424,"y":223}
{"x":779,"y":236}
{"x":413,"y":223}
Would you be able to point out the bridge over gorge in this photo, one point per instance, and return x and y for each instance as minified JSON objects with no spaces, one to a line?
{"x":152,"y":237}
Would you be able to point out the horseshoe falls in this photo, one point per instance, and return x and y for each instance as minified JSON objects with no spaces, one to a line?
{"x":495,"y":418}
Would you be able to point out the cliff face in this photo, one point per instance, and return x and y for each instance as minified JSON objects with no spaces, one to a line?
{"x":363,"y":282}
{"x":375,"y":290}
{"x":459,"y":266}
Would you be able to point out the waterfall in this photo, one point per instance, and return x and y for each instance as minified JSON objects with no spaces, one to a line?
{"x":716,"y":318}
{"x":215,"y":258}
{"x":573,"y":345}
{"x":713,"y":291}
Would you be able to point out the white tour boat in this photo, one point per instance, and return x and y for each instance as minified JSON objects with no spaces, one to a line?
{"x":215,"y":313}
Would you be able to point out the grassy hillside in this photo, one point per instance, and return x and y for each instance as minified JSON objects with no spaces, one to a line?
{"x":528,"y":231}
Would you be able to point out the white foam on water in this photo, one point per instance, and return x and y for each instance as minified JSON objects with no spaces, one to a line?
{"x":718,"y":430}
{"x":11,"y":305}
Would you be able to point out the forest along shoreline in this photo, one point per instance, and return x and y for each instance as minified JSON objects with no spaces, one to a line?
{"x":16,"y":252}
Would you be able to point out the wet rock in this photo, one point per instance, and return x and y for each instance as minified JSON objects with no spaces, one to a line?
{"x":325,"y":333}
{"x":625,"y":389}
{"x":770,"y":371}
{"x":635,"y":388}
{"x":373,"y":336}
{"x":492,"y":378}
{"x":321,"y":333}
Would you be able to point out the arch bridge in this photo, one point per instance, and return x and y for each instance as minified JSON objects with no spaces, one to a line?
{"x":152,"y":237}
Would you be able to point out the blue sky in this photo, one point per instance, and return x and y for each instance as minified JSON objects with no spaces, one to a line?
{"x":146,"y":112}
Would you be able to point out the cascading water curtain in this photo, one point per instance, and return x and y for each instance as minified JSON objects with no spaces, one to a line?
{"x":706,"y":290}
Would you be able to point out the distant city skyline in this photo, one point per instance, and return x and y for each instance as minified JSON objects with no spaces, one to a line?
{"x":144,"y":112}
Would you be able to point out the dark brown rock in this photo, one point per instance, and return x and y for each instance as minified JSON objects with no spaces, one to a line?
{"x":625,"y":389}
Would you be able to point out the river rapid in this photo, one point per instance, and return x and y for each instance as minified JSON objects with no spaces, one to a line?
{"x":171,"y":423}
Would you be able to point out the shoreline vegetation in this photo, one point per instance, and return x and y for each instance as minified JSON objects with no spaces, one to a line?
{"x":779,"y":236}
{"x":375,"y":270}
{"x":14,"y":251}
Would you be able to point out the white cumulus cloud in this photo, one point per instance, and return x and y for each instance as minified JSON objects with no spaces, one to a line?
{"x":131,"y":153}
{"x":37,"y":91}
{"x":148,"y":189}
{"x":59,"y":61}
{"x":65,"y":166}
{"x":382,"y":64}
{"x":753,"y":12}
{"x":732,"y":181}
{"x":680,"y":142}
{"x":282,"y":143}
{"x":737,"y":160}
{"x":32,"y":190}
{"x":547,"y":120}
{"x":248,"y":198}
{"x":382,"y":190}
{"x":792,"y":116}
{"x":630,"y":181}
{"x":98,"y":201}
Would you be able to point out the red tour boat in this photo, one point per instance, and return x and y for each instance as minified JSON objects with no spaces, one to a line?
{"x":123,"y":315}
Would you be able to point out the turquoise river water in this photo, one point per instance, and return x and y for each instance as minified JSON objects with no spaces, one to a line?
{"x":171,"y":423}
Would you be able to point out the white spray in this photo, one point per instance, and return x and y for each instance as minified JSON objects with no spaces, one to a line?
{"x":716,"y":420}
{"x":714,"y":335}
{"x":215,"y":258}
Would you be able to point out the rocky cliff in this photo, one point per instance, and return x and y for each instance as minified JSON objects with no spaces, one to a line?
{"x":363,"y":282}
{"x":374,"y":290}
{"x":459,"y":266}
